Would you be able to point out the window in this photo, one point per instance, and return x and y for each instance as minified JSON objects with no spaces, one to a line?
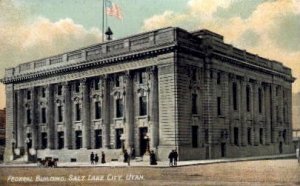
{"x":119,"y":133}
{"x":117,"y":81}
{"x":44,"y":140}
{"x":28,"y":116}
{"x":284,"y":135}
{"x":260,"y":100}
{"x":43,"y":92}
{"x":29,"y":144}
{"x":219,"y":78}
{"x":60,"y":140}
{"x":143,"y":105}
{"x":60,"y":114}
{"x":97,"y":110}
{"x":261,"y":135}
{"x":59,"y":90}
{"x":248,"y":98}
{"x":219,"y":106}
{"x":206,"y":135}
{"x":98,"y":138}
{"x":194,"y":104}
{"x":142,"y":77}
{"x":97,"y":82}
{"x":77,"y":86}
{"x":236,"y":136}
{"x":284,"y":113}
{"x":28,"y":94}
{"x":249,"y":136}
{"x":195,"y":136}
{"x":44,"y":115}
{"x":194,"y":74}
{"x":78,"y":139}
{"x":77,"y":110}
{"x":119,"y":108}
{"x":234,"y":96}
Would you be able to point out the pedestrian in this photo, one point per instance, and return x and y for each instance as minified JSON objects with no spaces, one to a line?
{"x":126,"y":157}
{"x":132,"y":153}
{"x":171,"y":155}
{"x":92,"y":158}
{"x":152,"y":158}
{"x":298,"y":154}
{"x":96,"y":159}
{"x":175,"y":156}
{"x":103,"y":158}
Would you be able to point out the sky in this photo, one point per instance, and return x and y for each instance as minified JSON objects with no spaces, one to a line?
{"x":33,"y":29}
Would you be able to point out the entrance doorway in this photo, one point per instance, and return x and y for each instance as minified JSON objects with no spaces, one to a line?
{"x":60,"y":140}
{"x":143,"y":141}
{"x":119,"y":133}
{"x":44,"y":140}
{"x":78,"y":141}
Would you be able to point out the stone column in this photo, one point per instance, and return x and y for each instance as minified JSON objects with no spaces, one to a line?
{"x":153,"y":112}
{"x":106,"y":111}
{"x":86,"y":122}
{"x":67,"y":116}
{"x":129,"y":112}
{"x":20,"y":120}
{"x":50,"y":116}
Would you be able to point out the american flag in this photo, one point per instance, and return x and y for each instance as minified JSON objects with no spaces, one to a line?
{"x":112,"y":9}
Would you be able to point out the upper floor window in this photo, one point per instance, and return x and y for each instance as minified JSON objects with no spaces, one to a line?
{"x":119,"y":108}
{"x":219,"y":103}
{"x":248,"y":98}
{"x":260,"y":100}
{"x":219,"y":78}
{"x":43,"y":92}
{"x":28,"y":113}
{"x":194,"y":104}
{"x":77,"y":112}
{"x":59,"y":90}
{"x":117,"y":81}
{"x":194,"y":74}
{"x":97,"y":110}
{"x":60,"y":114}
{"x":234,"y":96}
{"x":143,"y":105}
{"x":142,"y":77}
{"x":97,"y":82}
{"x":77,"y":86}
{"x":44,"y":115}
{"x":28,"y":94}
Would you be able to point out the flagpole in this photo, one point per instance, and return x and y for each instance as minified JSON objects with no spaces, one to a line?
{"x":103,"y":9}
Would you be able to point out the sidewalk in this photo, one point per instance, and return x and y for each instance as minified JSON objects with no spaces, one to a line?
{"x":161,"y":164}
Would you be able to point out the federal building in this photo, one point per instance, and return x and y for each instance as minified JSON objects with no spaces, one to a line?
{"x":160,"y":90}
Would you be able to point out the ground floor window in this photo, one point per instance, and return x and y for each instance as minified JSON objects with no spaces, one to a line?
{"x":78,"y":139}
{"x":98,"y":138}
{"x":236,"y":135}
{"x":119,"y":133}
{"x":60,"y":140}
{"x":44,"y":140}
{"x":195,"y":136}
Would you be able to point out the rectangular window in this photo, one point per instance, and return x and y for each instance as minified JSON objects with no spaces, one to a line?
{"x":234,"y":96}
{"x":206,"y":135}
{"x":44,"y":115}
{"x":60,"y":114}
{"x":43,"y":92}
{"x":60,"y":140}
{"x":77,"y":86}
{"x":78,"y":116}
{"x":261,"y":135}
{"x":78,"y":139}
{"x":117,"y":81}
{"x":260,"y":100}
{"x":219,"y":78}
{"x":97,"y":82}
{"x":219,"y":106}
{"x":44,"y":140}
{"x":59,"y":90}
{"x":28,"y":94}
{"x":249,"y":136}
{"x":284,"y":135}
{"x":248,"y":98}
{"x":97,"y":110}
{"x":119,"y":133}
{"x":195,"y":136}
{"x":142,"y":77}
{"x":28,"y":116}
{"x":194,"y":104}
{"x":236,"y":136}
{"x":143,"y":105}
{"x":98,"y":138}
{"x":29,"y":144}
{"x":194,"y":74}
{"x":119,"y":108}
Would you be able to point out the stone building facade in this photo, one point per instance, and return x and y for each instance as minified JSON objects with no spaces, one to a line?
{"x":2,"y":133}
{"x":159,"y":90}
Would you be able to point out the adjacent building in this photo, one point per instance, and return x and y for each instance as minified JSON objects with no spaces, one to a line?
{"x":161,"y":90}
{"x":2,"y":133}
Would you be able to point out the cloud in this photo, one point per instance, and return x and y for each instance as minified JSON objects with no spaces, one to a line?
{"x":24,"y":38}
{"x":271,"y":30}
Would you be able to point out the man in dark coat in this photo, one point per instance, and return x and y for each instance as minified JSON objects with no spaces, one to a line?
{"x":175,"y":156}
{"x":152,"y":158}
{"x":96,"y":159}
{"x":126,"y":157}
{"x":103,"y":158}
{"x":92,"y":158}
{"x":171,"y":157}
